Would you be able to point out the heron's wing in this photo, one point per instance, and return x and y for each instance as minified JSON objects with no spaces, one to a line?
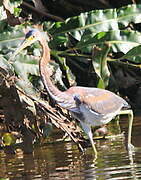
{"x":97,"y":100}
{"x":104,"y":103}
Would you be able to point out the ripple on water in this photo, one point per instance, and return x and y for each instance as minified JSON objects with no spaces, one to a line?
{"x":62,"y":161}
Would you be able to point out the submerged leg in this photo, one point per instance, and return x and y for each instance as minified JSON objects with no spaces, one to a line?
{"x":130,"y":117}
{"x":87,"y":130}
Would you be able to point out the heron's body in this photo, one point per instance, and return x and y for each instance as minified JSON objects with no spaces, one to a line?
{"x":90,"y":106}
{"x":95,"y":106}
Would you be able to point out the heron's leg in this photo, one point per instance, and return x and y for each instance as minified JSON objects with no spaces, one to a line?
{"x":88,"y":131}
{"x":130,"y":117}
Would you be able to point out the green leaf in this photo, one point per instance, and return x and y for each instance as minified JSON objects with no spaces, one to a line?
{"x":58,"y":41}
{"x":8,"y":139}
{"x":100,"y":84}
{"x":17,"y":11}
{"x":2,"y":13}
{"x":3,"y":25}
{"x":98,"y":20}
{"x":25,"y":65}
{"x":70,"y":77}
{"x":56,"y":75}
{"x":120,"y":41}
{"x":100,"y":26}
{"x":11,"y":39}
{"x":99,"y":60}
{"x":133,"y":55}
{"x":10,"y":5}
{"x":4,"y":64}
{"x":25,"y":98}
{"x":26,"y":87}
{"x":27,"y":68}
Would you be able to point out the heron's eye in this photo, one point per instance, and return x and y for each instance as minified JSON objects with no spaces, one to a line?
{"x":31,"y":37}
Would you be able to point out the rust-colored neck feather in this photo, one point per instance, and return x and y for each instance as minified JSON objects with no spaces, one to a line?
{"x":52,"y":90}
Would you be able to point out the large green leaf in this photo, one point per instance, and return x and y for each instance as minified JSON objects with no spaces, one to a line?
{"x":25,"y":65}
{"x":11,"y":39}
{"x":99,"y":60}
{"x":70,"y":77}
{"x":98,"y":20}
{"x":120,"y":41}
{"x":58,"y":41}
{"x":27,"y":87}
{"x":133,"y":55}
{"x":27,"y":69}
{"x":6,"y":66}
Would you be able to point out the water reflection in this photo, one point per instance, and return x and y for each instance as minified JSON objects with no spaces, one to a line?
{"x":63,"y":160}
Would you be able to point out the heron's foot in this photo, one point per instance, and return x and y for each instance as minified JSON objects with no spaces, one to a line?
{"x":131,"y":147}
{"x":131,"y":150}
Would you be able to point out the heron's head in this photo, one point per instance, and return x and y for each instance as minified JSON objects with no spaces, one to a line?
{"x":31,"y":37}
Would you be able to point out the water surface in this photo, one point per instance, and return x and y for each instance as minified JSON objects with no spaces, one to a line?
{"x":62,"y":160}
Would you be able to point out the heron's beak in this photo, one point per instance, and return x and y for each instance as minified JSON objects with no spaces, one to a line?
{"x":26,"y":42}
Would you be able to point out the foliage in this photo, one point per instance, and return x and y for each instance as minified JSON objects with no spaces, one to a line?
{"x":103,"y":32}
{"x":100,"y":65}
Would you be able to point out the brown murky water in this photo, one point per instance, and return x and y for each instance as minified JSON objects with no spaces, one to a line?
{"x":62,"y":161}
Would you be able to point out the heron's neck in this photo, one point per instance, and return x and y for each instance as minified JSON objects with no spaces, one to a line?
{"x":52,"y":90}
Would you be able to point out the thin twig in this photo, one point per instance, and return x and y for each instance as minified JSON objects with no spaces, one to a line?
{"x":56,"y":18}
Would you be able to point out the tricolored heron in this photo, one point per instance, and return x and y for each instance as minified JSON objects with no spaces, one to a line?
{"x":90,"y":106}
